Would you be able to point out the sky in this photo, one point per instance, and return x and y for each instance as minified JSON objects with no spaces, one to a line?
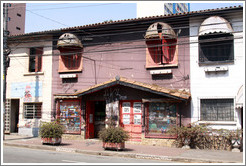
{"x":56,"y":15}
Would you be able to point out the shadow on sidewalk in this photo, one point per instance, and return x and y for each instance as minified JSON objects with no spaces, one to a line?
{"x":123,"y":150}
{"x":62,"y":144}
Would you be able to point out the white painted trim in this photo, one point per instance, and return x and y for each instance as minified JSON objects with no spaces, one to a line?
{"x":216,"y":97}
{"x":218,"y":122}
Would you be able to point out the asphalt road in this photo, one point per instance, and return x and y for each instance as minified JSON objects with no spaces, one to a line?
{"x":25,"y":155}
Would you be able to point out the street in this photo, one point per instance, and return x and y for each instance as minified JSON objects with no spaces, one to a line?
{"x":25,"y":155}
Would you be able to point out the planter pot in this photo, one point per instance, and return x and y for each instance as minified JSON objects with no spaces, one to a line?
{"x":186,"y":143}
{"x":52,"y":141}
{"x":236,"y":145}
{"x":114,"y":146}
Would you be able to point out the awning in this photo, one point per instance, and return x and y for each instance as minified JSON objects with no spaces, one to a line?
{"x":171,"y":93}
{"x":69,"y":40}
{"x":215,"y":24}
{"x":166,"y":30}
{"x":239,"y":98}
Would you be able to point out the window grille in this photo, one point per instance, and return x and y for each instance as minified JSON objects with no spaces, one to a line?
{"x":32,"y":110}
{"x":217,"y":109}
{"x":216,"y":48}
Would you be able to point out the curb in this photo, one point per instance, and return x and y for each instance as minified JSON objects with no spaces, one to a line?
{"x":116,"y":154}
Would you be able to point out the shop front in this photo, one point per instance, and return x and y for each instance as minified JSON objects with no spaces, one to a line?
{"x":142,"y":110}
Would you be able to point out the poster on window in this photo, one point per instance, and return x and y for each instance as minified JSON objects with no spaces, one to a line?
{"x":137,"y":119}
{"x":126,"y":106}
{"x":137,"y":107}
{"x":126,"y":119}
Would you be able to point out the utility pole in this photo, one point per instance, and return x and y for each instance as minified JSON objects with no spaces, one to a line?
{"x":6,"y":52}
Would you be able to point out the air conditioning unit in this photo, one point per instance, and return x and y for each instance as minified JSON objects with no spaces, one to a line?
{"x":155,"y":72}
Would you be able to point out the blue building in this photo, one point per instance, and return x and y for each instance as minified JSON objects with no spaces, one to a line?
{"x":173,"y":8}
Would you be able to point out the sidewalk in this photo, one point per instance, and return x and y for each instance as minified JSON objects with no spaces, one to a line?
{"x":94,"y":147}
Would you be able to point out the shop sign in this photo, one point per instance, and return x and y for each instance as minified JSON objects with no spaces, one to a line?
{"x":126,"y":106}
{"x":137,"y":119}
{"x":137,"y":107}
{"x":126,"y":119}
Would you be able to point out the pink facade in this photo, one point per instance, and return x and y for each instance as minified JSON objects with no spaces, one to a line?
{"x":129,"y":56}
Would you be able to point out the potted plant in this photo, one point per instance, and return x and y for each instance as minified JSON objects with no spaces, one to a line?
{"x":51,"y":133}
{"x":114,"y":138}
{"x":236,"y":139}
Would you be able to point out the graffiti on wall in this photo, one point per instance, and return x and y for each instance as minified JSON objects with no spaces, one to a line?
{"x":113,"y":94}
{"x":27,"y":90}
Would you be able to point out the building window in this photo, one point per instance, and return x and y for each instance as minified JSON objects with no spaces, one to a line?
{"x":70,"y":60}
{"x":216,"y":41}
{"x":35,"y":59}
{"x":9,"y":18}
{"x":18,"y":28}
{"x":160,"y":118}
{"x":32,"y":110}
{"x":217,"y":109}
{"x":69,"y":115}
{"x":70,"y":48}
{"x":18,"y":14}
{"x":217,"y":47}
{"x":161,"y":44}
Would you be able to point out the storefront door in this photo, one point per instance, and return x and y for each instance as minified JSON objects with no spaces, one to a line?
{"x":131,"y":118}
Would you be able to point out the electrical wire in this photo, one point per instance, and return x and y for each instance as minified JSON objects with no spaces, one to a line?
{"x":138,"y":47}
{"x":112,"y":33}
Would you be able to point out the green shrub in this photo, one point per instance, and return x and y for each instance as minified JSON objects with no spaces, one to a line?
{"x":202,"y":137}
{"x":51,"y":130}
{"x":113,"y":135}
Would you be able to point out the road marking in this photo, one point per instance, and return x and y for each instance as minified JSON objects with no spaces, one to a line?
{"x":70,"y":161}
{"x":60,"y":149}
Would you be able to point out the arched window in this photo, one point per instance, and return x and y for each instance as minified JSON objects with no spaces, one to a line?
{"x":215,"y":41}
{"x":161,"y":43}
{"x":70,"y":59}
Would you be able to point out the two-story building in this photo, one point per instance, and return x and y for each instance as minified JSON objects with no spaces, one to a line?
{"x":217,"y":63}
{"x":134,"y":73}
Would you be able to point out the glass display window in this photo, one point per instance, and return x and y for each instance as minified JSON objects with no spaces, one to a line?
{"x":69,"y":114}
{"x":161,"y":117}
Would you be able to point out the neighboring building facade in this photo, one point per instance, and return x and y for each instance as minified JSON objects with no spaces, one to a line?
{"x":16,"y":18}
{"x":29,"y":84}
{"x":217,"y":68}
{"x":154,"y":8}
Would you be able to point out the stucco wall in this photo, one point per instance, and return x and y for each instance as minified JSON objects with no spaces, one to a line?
{"x":216,"y":85}
{"x":18,"y":79}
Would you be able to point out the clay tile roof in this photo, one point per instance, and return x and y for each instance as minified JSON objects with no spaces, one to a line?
{"x":172,"y":93}
{"x":127,"y":20}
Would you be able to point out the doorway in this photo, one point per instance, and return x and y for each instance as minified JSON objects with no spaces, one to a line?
{"x":131,"y":119}
{"x":99,"y":117}
{"x":15,"y":103}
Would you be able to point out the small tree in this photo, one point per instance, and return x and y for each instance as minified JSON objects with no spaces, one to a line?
{"x":113,"y":135}
{"x":51,"y":130}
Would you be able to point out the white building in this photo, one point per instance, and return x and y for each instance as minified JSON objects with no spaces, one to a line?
{"x":154,"y":8}
{"x":29,"y":82}
{"x":217,"y":69}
